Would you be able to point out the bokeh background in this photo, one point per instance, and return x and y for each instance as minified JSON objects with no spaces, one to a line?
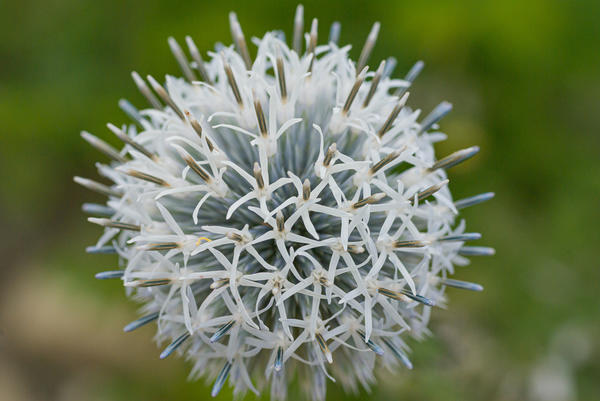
{"x":524,"y":77}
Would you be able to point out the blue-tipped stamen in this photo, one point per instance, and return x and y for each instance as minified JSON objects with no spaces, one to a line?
{"x":334,"y":32}
{"x":399,"y":354}
{"x":131,"y":111}
{"x":109,"y":274}
{"x":476,"y":251}
{"x":403,"y":294}
{"x":461,"y":237}
{"x":464,"y":285}
{"x":455,"y":158}
{"x":174,"y":345}
{"x":221,"y":379}
{"x":473,"y":200}
{"x":374,"y":347}
{"x":390,"y":65}
{"x":222,"y":331}
{"x":97,"y":210}
{"x":144,"y":320}
{"x":435,"y":116}
{"x":109,"y":249}
{"x":278,"y":359}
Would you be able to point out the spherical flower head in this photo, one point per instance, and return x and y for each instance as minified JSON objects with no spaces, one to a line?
{"x":284,"y":216}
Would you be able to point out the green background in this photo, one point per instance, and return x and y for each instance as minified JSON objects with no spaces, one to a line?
{"x":524,"y":78}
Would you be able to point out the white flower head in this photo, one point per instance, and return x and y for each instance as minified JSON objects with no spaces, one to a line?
{"x":283,"y":216}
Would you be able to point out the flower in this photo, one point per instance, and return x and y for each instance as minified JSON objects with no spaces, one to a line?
{"x":284,"y":215}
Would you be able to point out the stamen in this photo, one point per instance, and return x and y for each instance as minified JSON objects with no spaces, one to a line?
{"x":435,"y":116}
{"x":455,"y":158}
{"x":413,"y":243}
{"x":384,"y":162}
{"x":334,"y":32}
{"x":162,"y":93}
{"x":109,"y":274}
{"x":97,"y":187}
{"x":181,"y":59}
{"x":281,"y":78}
{"x":368,"y":47}
{"x":239,"y":40}
{"x":463,"y":285}
{"x":473,"y":200}
{"x":144,"y":320}
{"x":198,"y":59}
{"x":148,"y":283}
{"x":374,"y":83}
{"x":329,"y":155}
{"x":174,"y":345}
{"x":147,"y":177}
{"x":374,"y":347}
{"x":114,"y":224}
{"x":392,"y":117}
{"x":108,"y":249}
{"x":219,"y":283}
{"x":390,"y":65}
{"x":222,"y":331}
{"x":399,"y":354}
{"x":163,"y":246}
{"x":476,"y":251}
{"x":126,"y":139}
{"x":312,"y":42}
{"x":368,"y":200}
{"x":280,"y":222}
{"x":234,"y":237}
{"x":258,"y":176}
{"x":260,"y":117}
{"x":102,"y":146}
{"x":411,"y":76}
{"x":403,"y":294}
{"x":145,"y":90}
{"x":197,"y":169}
{"x":323,"y":346}
{"x":427,"y":192}
{"x":461,"y":237}
{"x":278,"y":359}
{"x":298,"y":28}
{"x":232,"y":82}
{"x":354,"y":91}
{"x":306,"y":190}
{"x":198,"y":128}
{"x":221,"y":379}
{"x":131,"y":111}
{"x":96,"y":209}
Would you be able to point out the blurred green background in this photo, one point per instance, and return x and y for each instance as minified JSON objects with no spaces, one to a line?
{"x":524,"y":78}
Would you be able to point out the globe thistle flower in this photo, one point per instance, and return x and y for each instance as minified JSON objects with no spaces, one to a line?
{"x":284,"y":216}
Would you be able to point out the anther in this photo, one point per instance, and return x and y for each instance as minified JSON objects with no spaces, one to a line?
{"x":239,"y":40}
{"x":114,"y":224}
{"x":455,"y":158}
{"x":354,"y":91}
{"x":260,"y":118}
{"x":126,"y":139}
{"x":280,"y":222}
{"x":298,"y":28}
{"x":329,"y":155}
{"x":147,"y":177}
{"x":374,"y":83}
{"x":258,"y":176}
{"x":368,"y":47}
{"x":232,"y":82}
{"x":368,"y":200}
{"x":197,"y":58}
{"x":392,"y":117}
{"x":102,"y":146}
{"x":181,"y":59}
{"x":306,"y":190}
{"x":427,"y":192}
{"x":145,"y":90}
{"x":162,"y":93}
